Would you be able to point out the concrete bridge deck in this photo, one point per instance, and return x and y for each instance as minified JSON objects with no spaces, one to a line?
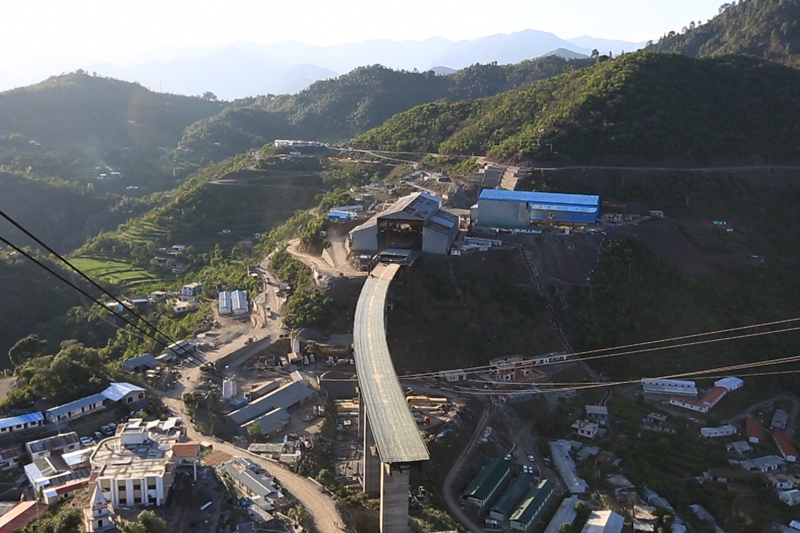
{"x":396,"y":433}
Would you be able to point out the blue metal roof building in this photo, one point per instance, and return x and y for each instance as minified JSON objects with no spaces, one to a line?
{"x":20,"y":422}
{"x":520,"y":209}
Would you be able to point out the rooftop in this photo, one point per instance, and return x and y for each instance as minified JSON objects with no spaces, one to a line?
{"x":281,"y":398}
{"x":62,"y":440}
{"x":488,"y":478}
{"x":140,"y":450}
{"x":116,"y":391}
{"x":533,"y":501}
{"x":559,"y":200}
{"x":28,"y":418}
{"x":518,"y":486}
{"x":76,"y":405}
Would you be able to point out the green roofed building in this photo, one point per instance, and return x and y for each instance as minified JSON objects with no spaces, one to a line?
{"x":488,"y":484}
{"x":506,"y":503}
{"x":532,"y":506}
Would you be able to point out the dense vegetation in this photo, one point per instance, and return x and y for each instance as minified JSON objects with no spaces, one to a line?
{"x":341,"y":108}
{"x":765,"y":28}
{"x":639,"y":106}
{"x":92,"y":114}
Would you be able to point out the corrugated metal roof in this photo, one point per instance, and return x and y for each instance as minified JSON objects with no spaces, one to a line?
{"x":540,"y":197}
{"x":418,"y":205}
{"x":28,"y":418}
{"x":533,"y":502}
{"x":283,"y":397}
{"x":562,"y":207}
{"x":518,"y":486}
{"x":604,"y":522}
{"x":116,"y":391}
{"x":490,"y":476}
{"x":76,"y":405}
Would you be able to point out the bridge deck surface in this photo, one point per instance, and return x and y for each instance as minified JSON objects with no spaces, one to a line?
{"x":396,"y":433}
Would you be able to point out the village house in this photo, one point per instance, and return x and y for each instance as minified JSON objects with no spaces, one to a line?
{"x":597,"y":414}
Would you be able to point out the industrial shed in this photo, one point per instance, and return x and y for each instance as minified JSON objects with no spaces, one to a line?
{"x":415,"y":222}
{"x":520,"y":209}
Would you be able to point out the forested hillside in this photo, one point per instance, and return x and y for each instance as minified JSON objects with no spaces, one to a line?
{"x":765,"y":28}
{"x":638,"y":107}
{"x":96,"y":113}
{"x":341,"y":108}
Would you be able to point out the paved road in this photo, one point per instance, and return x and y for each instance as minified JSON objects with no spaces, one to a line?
{"x":325,"y":516}
{"x":453,"y":501}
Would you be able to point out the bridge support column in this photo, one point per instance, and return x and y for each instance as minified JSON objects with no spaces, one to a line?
{"x":371,"y":462}
{"x":394,"y":499}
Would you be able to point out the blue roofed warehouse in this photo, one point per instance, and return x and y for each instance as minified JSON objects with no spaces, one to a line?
{"x":498,"y":208}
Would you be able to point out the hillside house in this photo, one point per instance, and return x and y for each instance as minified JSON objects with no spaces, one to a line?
{"x":669,"y":386}
{"x":21,"y":422}
{"x":76,"y":409}
{"x":55,"y":445}
{"x":779,"y":419}
{"x":785,"y":446}
{"x":721,"y":431}
{"x":762,"y":464}
{"x":755,"y":431}
{"x":192,"y":289}
{"x":584,"y":428}
{"x":488,"y":484}
{"x":597,"y":414}
{"x":10,"y":456}
{"x":790,"y":497}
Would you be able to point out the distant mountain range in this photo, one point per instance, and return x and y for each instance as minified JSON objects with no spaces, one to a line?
{"x":241,"y":69}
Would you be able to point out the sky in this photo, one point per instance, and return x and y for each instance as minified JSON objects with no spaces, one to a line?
{"x":115,"y":31}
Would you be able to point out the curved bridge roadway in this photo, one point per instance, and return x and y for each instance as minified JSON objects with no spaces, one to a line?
{"x":396,"y":433}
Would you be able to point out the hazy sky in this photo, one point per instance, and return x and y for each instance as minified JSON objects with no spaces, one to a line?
{"x":113,"y":29}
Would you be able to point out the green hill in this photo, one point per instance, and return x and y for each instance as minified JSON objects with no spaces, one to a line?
{"x":341,"y":108}
{"x":765,"y":28}
{"x":94,"y":112}
{"x":638,"y":107}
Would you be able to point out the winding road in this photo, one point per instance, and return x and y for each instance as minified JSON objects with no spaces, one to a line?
{"x":322,"y":508}
{"x":453,"y":501}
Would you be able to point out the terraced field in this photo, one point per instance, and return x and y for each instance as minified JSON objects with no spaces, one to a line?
{"x":105,"y":269}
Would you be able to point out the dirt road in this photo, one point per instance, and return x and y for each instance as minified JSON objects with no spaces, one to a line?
{"x":451,"y":500}
{"x":325,"y":516}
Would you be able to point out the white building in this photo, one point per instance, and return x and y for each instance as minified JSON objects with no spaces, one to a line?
{"x":790,"y":497}
{"x":452,"y":375}
{"x":584,"y":428}
{"x":730,"y":383}
{"x":597,"y":414}
{"x":99,"y":516}
{"x":239,"y":304}
{"x":137,"y":466}
{"x":224,"y":302}
{"x":669,"y":386}
{"x":722,"y":431}
{"x":55,"y":445}
{"x":762,"y":464}
{"x":21,"y":422}
{"x":604,"y":522}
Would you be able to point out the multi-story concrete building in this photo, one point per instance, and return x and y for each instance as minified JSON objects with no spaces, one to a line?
{"x":137,"y":466}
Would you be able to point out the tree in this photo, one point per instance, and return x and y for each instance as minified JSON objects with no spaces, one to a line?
{"x":152,"y":522}
{"x":254,"y":430}
{"x":211,"y":97}
{"x":27,"y":348}
{"x":595,"y":54}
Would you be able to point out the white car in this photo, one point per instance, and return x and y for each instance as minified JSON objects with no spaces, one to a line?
{"x":87,"y":441}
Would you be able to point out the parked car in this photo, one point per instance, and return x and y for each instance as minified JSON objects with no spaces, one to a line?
{"x":531,"y":458}
{"x":98,"y":436}
{"x":107,"y":430}
{"x":87,"y":441}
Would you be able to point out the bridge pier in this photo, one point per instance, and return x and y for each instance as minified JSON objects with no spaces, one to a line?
{"x":371,"y":480}
{"x":394,"y":498}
